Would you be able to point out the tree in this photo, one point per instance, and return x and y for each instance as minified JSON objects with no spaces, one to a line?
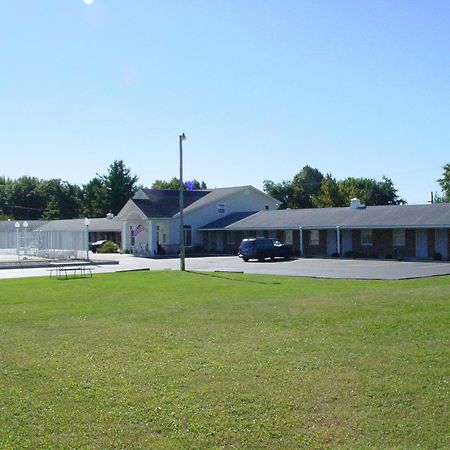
{"x":24,"y":198}
{"x":304,"y":186}
{"x":444,"y":182}
{"x":280,"y":191}
{"x":329,"y":195}
{"x":174,"y":183}
{"x":120,"y":186}
{"x":369,"y":191}
{"x":95,"y":198}
{"x":63,"y":199}
{"x":299,"y":192}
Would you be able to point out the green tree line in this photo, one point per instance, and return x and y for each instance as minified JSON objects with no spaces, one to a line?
{"x":311,"y":189}
{"x":32,"y":198}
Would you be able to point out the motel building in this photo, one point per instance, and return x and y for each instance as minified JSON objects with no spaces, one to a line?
{"x":215,"y":221}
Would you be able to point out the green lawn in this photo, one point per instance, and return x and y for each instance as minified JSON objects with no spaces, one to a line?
{"x":184,"y":360}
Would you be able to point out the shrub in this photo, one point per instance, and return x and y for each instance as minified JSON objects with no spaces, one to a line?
{"x":437,"y":256}
{"x":108,"y":247}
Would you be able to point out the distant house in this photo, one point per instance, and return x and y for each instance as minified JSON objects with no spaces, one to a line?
{"x":151,"y":221}
{"x":410,"y":231}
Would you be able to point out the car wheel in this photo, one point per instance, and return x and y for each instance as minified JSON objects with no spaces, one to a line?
{"x":245,"y":259}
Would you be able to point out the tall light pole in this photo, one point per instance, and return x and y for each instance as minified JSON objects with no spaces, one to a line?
{"x":17,"y":225}
{"x":87,"y":222}
{"x":25,"y":229}
{"x":182,"y":252}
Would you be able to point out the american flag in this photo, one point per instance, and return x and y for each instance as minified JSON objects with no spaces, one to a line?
{"x":137,"y":230}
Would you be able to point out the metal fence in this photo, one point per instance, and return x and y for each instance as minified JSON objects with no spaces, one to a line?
{"x":23,"y":245}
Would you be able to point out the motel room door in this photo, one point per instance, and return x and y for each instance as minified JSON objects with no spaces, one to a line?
{"x":331,"y":242}
{"x":441,"y":242}
{"x":421,"y":244}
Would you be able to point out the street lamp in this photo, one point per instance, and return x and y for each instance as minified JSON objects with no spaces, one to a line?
{"x":25,"y":228}
{"x":182,"y":252}
{"x":17,"y":225}
{"x":87,"y":222}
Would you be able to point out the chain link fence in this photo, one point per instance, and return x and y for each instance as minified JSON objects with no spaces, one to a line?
{"x":39,"y":245}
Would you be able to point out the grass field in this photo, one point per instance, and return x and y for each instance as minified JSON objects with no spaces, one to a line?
{"x":184,"y":360}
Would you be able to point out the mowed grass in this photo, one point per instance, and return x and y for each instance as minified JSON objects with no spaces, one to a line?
{"x":187,"y":360}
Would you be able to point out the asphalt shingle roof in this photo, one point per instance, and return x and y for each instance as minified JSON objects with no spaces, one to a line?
{"x":166,"y":202}
{"x":226,"y":220}
{"x":9,"y":225}
{"x":401,"y":216}
{"x":96,"y":224}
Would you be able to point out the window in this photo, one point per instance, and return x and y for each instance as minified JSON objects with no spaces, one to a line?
{"x":231,"y":238}
{"x":221,"y":208}
{"x":366,"y":237}
{"x":188,"y":236}
{"x":398,"y":238}
{"x":314,"y":237}
{"x":288,"y":237}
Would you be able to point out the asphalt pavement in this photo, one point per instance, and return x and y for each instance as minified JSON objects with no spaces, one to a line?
{"x":307,"y":267}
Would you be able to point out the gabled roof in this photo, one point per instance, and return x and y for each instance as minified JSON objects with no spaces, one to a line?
{"x":389,"y":216}
{"x":226,"y":220}
{"x":166,"y":202}
{"x":219,"y":194}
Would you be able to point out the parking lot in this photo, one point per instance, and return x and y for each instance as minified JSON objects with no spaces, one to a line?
{"x":308,"y":267}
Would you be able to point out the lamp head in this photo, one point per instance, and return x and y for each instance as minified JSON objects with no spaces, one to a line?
{"x":183,"y":137}
{"x":25,"y":224}
{"x":17,"y":225}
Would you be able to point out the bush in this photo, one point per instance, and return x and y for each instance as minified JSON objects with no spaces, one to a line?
{"x":108,"y":247}
{"x":437,"y":256}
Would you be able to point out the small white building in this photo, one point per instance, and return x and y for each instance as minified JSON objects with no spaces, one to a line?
{"x":150,"y":220}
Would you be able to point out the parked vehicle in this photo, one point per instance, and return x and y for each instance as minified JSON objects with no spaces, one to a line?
{"x":262,"y":248}
{"x":93,"y":246}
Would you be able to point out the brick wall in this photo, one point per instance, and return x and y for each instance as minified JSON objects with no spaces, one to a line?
{"x":315,"y":250}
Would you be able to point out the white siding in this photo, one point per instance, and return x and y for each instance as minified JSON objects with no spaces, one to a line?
{"x":248,"y":200}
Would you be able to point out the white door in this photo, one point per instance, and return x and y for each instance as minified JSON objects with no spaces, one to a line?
{"x":421,"y":244}
{"x":441,"y":242}
{"x":331,"y":242}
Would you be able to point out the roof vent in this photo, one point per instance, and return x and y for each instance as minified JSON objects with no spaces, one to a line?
{"x":355,"y":203}
{"x":110,"y":216}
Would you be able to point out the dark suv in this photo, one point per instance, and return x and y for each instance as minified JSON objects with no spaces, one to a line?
{"x":262,"y":248}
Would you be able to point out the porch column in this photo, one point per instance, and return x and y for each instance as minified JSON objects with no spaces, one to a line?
{"x":152,"y":238}
{"x":338,"y":240}
{"x":301,"y":241}
{"x":126,"y":236}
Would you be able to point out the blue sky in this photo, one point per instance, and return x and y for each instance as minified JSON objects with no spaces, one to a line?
{"x":260,"y":87}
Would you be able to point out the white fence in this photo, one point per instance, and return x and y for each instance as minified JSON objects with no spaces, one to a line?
{"x":41,"y":245}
